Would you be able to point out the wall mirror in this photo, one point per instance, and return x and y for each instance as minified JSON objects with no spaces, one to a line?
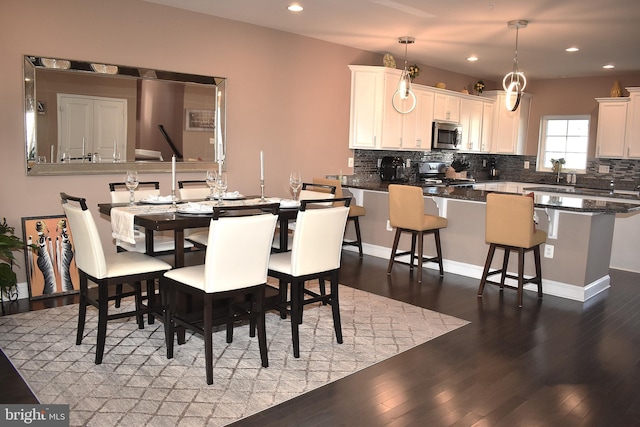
{"x":92,"y":118}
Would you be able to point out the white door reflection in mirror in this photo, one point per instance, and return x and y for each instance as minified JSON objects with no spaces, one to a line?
{"x":89,"y":125}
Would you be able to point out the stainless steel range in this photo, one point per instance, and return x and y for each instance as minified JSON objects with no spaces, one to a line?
{"x":433,"y":174}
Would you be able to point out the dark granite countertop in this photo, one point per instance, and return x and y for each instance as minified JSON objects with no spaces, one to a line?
{"x":575,"y":204}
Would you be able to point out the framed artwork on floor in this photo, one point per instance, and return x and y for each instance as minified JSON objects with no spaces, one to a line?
{"x":51,"y":269}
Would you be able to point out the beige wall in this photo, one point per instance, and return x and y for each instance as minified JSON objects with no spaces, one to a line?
{"x":571,"y":96}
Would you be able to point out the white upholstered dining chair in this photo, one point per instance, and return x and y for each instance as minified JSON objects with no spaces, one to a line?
{"x":235,"y":271}
{"x":106,"y":271}
{"x":315,"y":254}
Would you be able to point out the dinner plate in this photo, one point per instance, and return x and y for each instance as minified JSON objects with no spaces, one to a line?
{"x":195,"y":209}
{"x":160,"y":200}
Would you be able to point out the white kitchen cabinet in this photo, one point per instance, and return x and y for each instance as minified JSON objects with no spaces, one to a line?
{"x":632,"y":136}
{"x":509,"y":127}
{"x":488,"y":109}
{"x":446,"y":107}
{"x":375,"y":124}
{"x":471,"y":120}
{"x":416,"y":126}
{"x":612,"y":121}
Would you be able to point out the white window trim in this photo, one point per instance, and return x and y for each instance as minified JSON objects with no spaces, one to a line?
{"x":540,"y":167}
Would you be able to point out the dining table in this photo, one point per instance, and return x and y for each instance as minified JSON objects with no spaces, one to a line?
{"x":178,"y":218}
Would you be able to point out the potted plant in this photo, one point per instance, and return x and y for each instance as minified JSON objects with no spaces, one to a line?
{"x":9,"y":243}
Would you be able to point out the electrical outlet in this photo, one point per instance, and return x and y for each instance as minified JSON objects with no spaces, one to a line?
{"x":389,"y":227}
{"x":212,"y":141}
{"x":548,"y":251}
{"x":603,"y":169}
{"x":350,"y":162}
{"x":526,"y":164}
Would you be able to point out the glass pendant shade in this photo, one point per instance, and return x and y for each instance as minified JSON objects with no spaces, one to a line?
{"x":404,"y":100}
{"x":515,"y":81}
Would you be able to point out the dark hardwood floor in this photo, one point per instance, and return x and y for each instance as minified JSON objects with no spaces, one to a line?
{"x":554,"y":362}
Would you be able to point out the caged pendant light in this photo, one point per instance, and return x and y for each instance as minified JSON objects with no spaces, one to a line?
{"x":404,"y":100}
{"x":515,"y":81}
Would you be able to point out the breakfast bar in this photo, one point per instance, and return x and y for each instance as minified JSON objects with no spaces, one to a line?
{"x":577,"y":251}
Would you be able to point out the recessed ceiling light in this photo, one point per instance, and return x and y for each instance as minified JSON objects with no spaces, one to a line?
{"x":609,"y":66}
{"x":472,"y":58}
{"x":295,"y":8}
{"x":572,"y":49}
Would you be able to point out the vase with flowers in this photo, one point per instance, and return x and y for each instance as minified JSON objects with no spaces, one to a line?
{"x":478,"y":87}
{"x":414,"y":71}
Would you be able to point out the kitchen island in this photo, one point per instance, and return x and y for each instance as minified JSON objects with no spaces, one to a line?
{"x":580,"y":232}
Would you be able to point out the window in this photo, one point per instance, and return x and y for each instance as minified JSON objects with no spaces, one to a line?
{"x":564,"y":137}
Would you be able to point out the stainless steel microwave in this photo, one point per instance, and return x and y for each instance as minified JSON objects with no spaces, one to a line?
{"x":447,"y":136}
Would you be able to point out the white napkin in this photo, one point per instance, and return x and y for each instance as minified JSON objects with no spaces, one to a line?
{"x":287,"y":203}
{"x":232,"y":194}
{"x":122,"y":225}
{"x":196,"y":207}
{"x":158,"y":199}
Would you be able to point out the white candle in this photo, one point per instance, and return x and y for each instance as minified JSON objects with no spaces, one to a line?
{"x":52,"y":159}
{"x":261,"y":165}
{"x":173,"y":173}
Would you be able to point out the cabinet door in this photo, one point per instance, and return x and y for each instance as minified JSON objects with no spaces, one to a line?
{"x":446,"y":107}
{"x":488,"y":109}
{"x":392,"y":121}
{"x":366,"y":109}
{"x":633,"y":124}
{"x":417,"y":126}
{"x":612,"y":118}
{"x":471,"y":121}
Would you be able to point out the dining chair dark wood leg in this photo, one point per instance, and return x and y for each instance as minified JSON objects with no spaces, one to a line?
{"x":505,"y":266}
{"x":335,"y":307}
{"x":420,"y":236}
{"x":208,"y":336}
{"x":296,"y":311}
{"x":103,"y":294}
{"x":82,"y":312}
{"x":487,"y":266}
{"x":436,"y":235}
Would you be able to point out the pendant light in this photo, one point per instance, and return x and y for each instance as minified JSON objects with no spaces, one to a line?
{"x":404,"y":100}
{"x":515,"y":81}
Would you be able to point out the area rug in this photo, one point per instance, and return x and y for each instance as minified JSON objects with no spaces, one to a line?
{"x":136,"y":385}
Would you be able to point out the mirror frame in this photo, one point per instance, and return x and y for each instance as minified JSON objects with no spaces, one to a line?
{"x":34,"y":62}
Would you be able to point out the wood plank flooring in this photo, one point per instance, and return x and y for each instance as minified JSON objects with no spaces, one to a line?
{"x":554,"y":362}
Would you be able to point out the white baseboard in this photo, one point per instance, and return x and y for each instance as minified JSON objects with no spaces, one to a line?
{"x":549,"y":287}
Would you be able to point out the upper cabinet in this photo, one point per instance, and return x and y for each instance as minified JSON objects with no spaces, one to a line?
{"x":619,"y":126}
{"x":375,"y":124}
{"x":509,"y":127}
{"x":476,"y":115}
{"x":446,"y":107}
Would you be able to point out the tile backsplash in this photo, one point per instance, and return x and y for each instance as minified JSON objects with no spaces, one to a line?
{"x":624,"y":172}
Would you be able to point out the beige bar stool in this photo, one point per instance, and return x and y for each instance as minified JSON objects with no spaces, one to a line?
{"x":355,"y":212}
{"x":510,"y":226}
{"x":406,"y":214}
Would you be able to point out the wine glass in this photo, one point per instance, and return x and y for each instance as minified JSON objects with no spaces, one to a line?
{"x":212,"y":177}
{"x":221,"y":186}
{"x":295,"y":181}
{"x":132,"y":184}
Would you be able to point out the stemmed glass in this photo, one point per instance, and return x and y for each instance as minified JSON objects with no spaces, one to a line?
{"x":221,"y":186}
{"x":132,"y":184}
{"x":295,"y":181}
{"x":212,"y":177}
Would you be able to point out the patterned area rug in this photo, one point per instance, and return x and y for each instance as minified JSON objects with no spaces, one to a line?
{"x":136,"y":385}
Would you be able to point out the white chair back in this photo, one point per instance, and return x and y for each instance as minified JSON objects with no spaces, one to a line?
{"x":316,"y":195}
{"x":317,"y":242}
{"x":193,"y":193}
{"x":88,"y":247}
{"x":122,"y":196}
{"x":238,"y":252}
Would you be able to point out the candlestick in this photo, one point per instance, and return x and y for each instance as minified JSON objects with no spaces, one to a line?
{"x":52,"y":159}
{"x":261,"y":165}
{"x":262,"y":199}
{"x":219,"y":167}
{"x":173,"y":174}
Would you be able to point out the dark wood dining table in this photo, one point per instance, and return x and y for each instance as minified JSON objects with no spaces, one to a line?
{"x":179,"y":222}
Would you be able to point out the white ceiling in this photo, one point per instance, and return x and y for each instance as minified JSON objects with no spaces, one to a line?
{"x":448,"y":31}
